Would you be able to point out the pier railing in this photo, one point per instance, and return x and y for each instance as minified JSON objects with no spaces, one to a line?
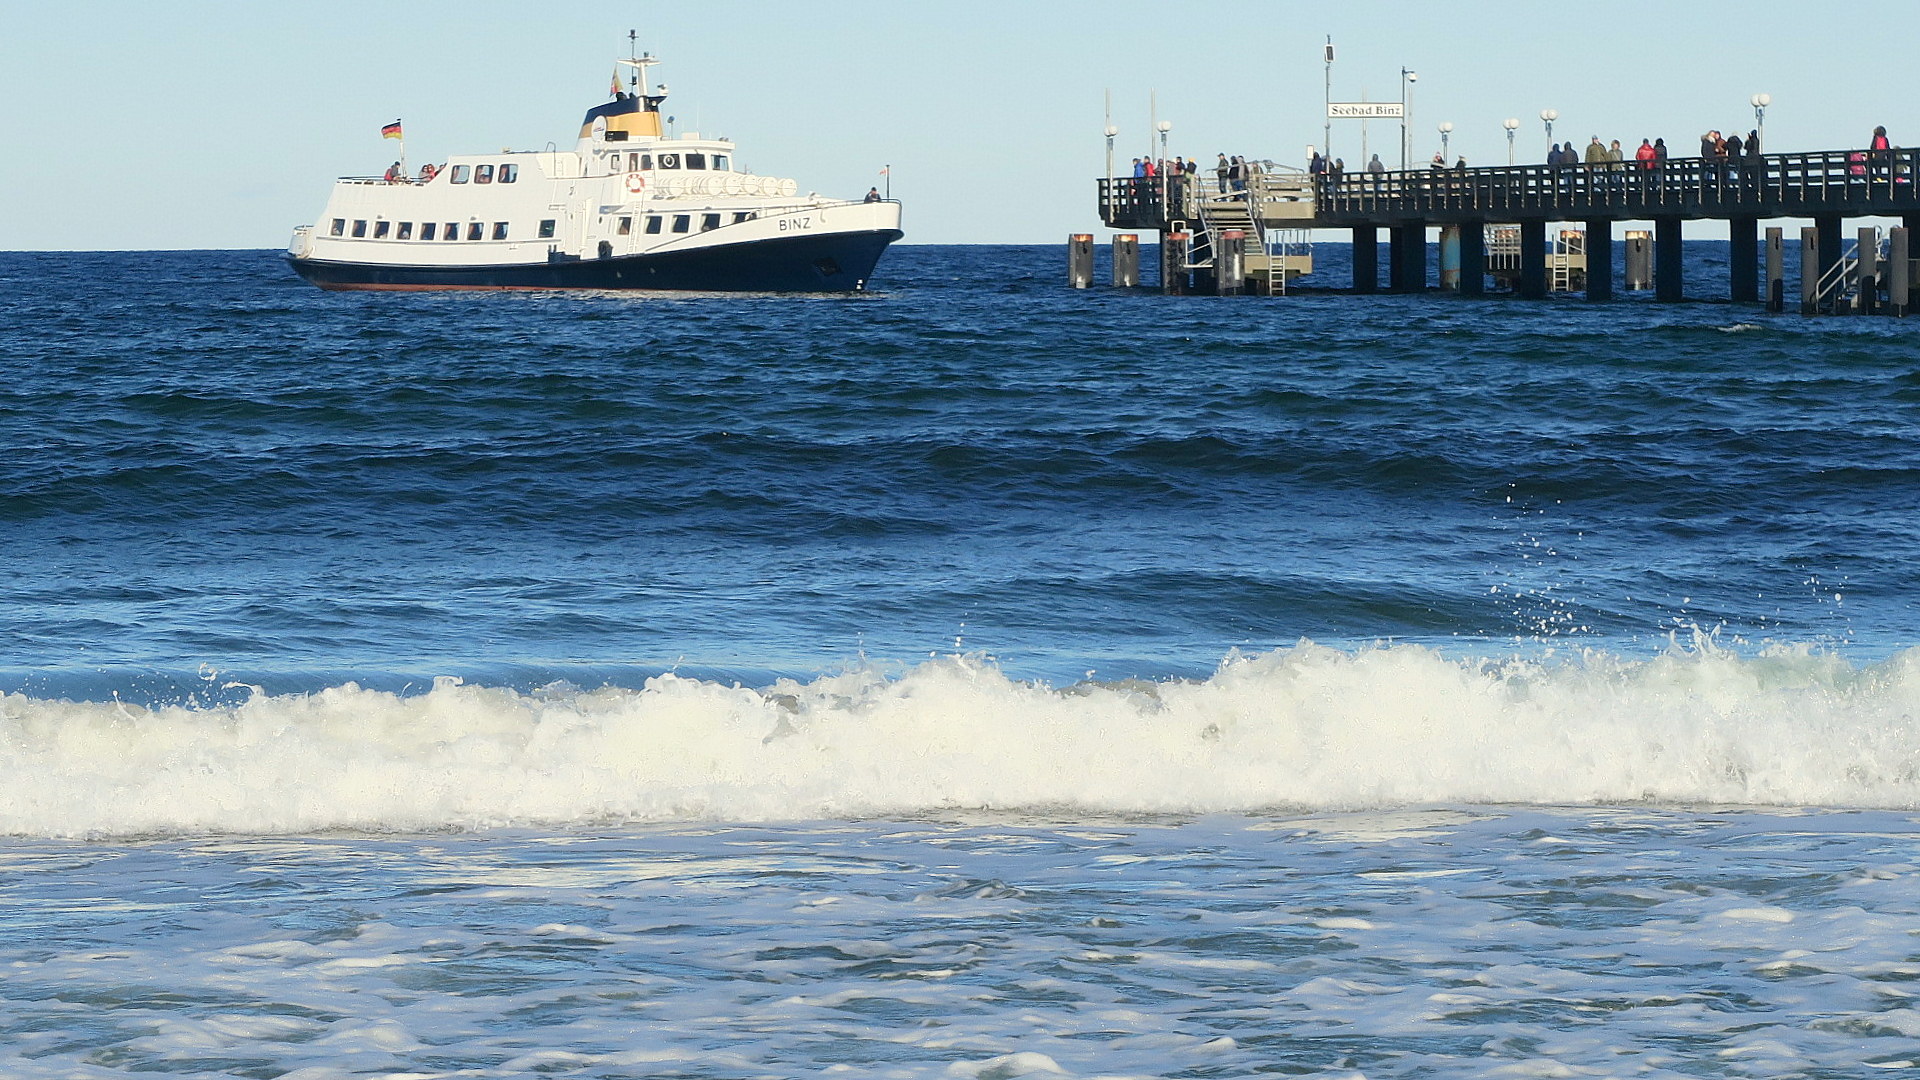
{"x":1847,"y":182}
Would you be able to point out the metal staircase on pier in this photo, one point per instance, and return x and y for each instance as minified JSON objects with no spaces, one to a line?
{"x":1264,"y":252}
{"x":1838,"y":290}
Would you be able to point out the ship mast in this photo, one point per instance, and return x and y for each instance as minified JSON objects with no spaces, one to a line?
{"x":639,"y":81}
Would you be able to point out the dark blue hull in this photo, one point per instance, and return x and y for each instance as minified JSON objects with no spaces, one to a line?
{"x":838,"y":262}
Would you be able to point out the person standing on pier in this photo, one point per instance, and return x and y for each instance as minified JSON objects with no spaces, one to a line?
{"x":1221,"y":170}
{"x":1882,"y":153}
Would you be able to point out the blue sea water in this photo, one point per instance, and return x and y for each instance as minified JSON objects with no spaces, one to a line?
{"x":969,"y":678}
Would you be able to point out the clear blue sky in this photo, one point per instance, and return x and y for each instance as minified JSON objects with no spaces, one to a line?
{"x":218,"y":123}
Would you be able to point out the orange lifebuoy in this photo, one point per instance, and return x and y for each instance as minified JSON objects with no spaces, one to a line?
{"x":636,"y":183}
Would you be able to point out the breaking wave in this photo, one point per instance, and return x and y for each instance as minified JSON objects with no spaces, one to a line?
{"x":1303,"y":727}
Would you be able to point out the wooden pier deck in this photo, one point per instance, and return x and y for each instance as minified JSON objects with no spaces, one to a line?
{"x":1827,"y":187}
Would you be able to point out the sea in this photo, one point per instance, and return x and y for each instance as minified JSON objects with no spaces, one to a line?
{"x":972,"y":678}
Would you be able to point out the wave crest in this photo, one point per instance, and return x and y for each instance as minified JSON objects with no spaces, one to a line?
{"x":1304,"y":727}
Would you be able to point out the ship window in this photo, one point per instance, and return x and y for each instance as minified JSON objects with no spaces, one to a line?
{"x":742,"y":215}
{"x":669,"y":161}
{"x":709,"y":221}
{"x":721,"y":163}
{"x":696,"y":161}
{"x":483,"y":174}
{"x":509,"y":173}
{"x":680,"y":222}
{"x":460,"y":173}
{"x":626,"y":226}
{"x":653,"y":225}
{"x":646,"y":161}
{"x":406,"y":231}
{"x":426,"y":230}
{"x":452,"y":231}
{"x":546,"y":229}
{"x":633,"y":162}
{"x":499,"y":230}
{"x":339,"y":226}
{"x":359,"y":228}
{"x":380,"y":229}
{"x":476,"y":231}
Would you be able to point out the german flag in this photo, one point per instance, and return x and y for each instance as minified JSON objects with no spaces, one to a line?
{"x":392,"y":131}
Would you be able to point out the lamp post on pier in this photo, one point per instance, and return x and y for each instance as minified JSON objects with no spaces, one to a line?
{"x":1111,"y":132}
{"x":1446,"y":129}
{"x":1326,"y":138}
{"x":1547,"y":117}
{"x":1407,"y":79}
{"x":1760,"y":103}
{"x":1512,"y":124}
{"x":1163,"y":126}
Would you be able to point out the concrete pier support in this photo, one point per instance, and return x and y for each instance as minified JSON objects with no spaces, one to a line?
{"x":1229,"y":263}
{"x":1533,"y":260}
{"x":1126,"y":260}
{"x":1409,"y":270}
{"x":1899,"y":272}
{"x":1832,"y":249}
{"x":1366,"y":259}
{"x":1869,"y":271}
{"x":1173,"y":263}
{"x":1639,"y":271}
{"x":1809,"y":269}
{"x":1669,"y":275}
{"x":1473,"y":259}
{"x":1450,"y":258}
{"x":1776,"y":270}
{"x":1080,"y":260}
{"x":1743,"y":259}
{"x":1600,"y":260}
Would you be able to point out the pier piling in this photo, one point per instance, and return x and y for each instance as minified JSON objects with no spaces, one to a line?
{"x":1473,"y":259}
{"x":1776,"y":270}
{"x":1126,"y":260}
{"x":1408,"y":272}
{"x":1600,"y":260}
{"x":1809,"y":269}
{"x":1669,"y":283}
{"x":1830,"y":249}
{"x":1533,"y":259}
{"x":1869,"y":271}
{"x":1229,"y":263}
{"x":1173,"y":263}
{"x":1080,"y":260}
{"x":1743,"y":258}
{"x":1639,"y":270}
{"x":1366,"y":259}
{"x":1899,"y":272}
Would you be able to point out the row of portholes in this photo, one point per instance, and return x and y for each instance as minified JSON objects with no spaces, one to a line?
{"x":723,"y":184}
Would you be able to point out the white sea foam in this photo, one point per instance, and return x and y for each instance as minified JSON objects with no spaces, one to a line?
{"x":1305,"y":727}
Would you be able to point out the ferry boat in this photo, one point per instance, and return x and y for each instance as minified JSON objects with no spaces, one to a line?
{"x":632,"y":206}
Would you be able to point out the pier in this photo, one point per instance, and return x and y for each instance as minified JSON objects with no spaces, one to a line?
{"x":1274,"y":213}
